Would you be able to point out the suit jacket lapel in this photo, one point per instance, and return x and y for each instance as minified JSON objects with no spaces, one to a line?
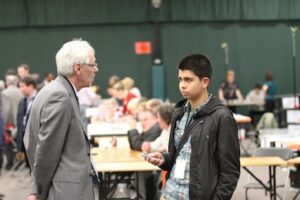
{"x":73,"y":96}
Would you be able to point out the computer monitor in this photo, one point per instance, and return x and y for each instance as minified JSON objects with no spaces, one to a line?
{"x":293,"y":116}
{"x":290,"y":102}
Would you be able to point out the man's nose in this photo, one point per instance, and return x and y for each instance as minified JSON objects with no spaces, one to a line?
{"x":182,"y":85}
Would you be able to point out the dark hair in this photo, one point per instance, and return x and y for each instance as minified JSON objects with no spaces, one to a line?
{"x":197,"y":63}
{"x":28,"y":81}
{"x":165,"y":111}
{"x":268,"y":77}
{"x":257,"y":86}
{"x":10,"y":72}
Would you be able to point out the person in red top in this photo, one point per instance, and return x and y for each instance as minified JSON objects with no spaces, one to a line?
{"x":124,"y":95}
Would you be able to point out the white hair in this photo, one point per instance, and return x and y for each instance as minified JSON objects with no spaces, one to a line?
{"x":76,"y":51}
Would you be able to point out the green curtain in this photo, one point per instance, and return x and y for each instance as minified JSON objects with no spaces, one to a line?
{"x":28,"y":13}
{"x":254,"y":49}
{"x":114,"y":46}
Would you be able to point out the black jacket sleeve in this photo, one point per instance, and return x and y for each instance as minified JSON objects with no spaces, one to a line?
{"x":229,"y":157}
{"x":135,"y":139}
{"x":167,"y":165}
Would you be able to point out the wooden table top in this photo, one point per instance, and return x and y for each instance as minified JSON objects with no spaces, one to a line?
{"x":125,"y":160}
{"x":120,"y":160}
{"x":125,"y":167}
{"x":262,"y":161}
{"x":115,"y":155}
{"x":244,"y":103}
{"x":294,"y":161}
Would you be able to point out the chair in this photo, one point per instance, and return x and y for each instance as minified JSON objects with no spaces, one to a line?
{"x":283,"y":153}
{"x":267,"y":120}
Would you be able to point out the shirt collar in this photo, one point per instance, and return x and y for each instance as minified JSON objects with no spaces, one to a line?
{"x":74,"y":88}
{"x":31,"y":97}
{"x":187,"y":105}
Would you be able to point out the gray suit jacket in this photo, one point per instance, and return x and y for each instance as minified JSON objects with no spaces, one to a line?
{"x":11,"y":97}
{"x":57,"y":146}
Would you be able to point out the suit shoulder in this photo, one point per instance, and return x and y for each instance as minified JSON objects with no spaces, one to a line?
{"x":53,"y":91}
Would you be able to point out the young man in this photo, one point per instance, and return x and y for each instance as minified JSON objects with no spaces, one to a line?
{"x":55,"y":139}
{"x":203,"y":161}
{"x":28,"y":88}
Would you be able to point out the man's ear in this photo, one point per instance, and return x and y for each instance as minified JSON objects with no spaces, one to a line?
{"x":77,"y":68}
{"x":205,"y":82}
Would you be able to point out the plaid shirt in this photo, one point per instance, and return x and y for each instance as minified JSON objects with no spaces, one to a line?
{"x":179,"y":188}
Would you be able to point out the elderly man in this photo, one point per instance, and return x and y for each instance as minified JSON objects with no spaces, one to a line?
{"x":55,"y":140}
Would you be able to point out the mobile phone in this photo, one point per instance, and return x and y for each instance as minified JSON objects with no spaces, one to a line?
{"x":146,"y":155}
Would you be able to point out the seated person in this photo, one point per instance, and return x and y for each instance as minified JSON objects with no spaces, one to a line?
{"x":153,"y":104}
{"x":112,"y":80}
{"x":125,"y":96}
{"x":135,"y":106}
{"x":111,"y":91}
{"x":270,"y":89}
{"x":229,"y":90}
{"x":164,"y":116}
{"x":129,"y":85}
{"x":150,"y":131}
{"x":256,"y":95}
{"x":87,"y":98}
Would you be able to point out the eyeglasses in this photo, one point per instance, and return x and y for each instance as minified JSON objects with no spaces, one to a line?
{"x":90,"y":65}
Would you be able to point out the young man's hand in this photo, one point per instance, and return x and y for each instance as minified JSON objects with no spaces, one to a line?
{"x":156,"y":158}
{"x":32,"y":197}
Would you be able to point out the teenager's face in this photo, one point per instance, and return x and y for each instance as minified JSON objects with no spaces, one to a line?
{"x":190,"y":85}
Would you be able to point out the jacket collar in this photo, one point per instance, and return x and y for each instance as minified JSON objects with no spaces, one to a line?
{"x":212,"y":105}
{"x":68,"y":85}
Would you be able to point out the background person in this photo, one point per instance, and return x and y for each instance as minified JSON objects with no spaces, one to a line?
{"x":270,"y":89}
{"x":164,"y":116}
{"x":28,"y":87}
{"x":229,"y":90}
{"x":256,"y":95}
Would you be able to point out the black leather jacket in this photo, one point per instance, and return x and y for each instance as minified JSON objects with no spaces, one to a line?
{"x":215,"y":155}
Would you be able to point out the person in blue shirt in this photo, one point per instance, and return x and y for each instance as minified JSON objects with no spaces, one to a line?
{"x":270,"y":90}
